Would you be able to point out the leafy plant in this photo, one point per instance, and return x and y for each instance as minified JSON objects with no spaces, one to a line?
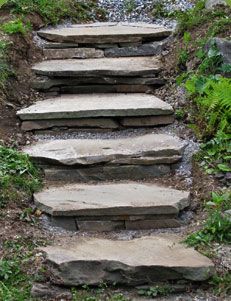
{"x":217,"y":228}
{"x":155,"y":291}
{"x":15,"y":26}
{"x":129,"y":5}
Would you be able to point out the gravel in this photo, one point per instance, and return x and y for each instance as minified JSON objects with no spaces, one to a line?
{"x":140,"y":10}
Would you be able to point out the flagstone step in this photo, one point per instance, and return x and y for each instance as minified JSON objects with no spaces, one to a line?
{"x":81,"y":160}
{"x":124,"y":67}
{"x":105,"y":33}
{"x":148,"y":149}
{"x":108,"y":110}
{"x":112,"y":206}
{"x":79,"y":261}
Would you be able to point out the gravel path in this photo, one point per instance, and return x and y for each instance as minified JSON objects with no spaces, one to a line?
{"x":140,"y":10}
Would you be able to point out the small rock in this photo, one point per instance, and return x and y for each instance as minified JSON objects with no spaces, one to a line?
{"x":47,"y":291}
{"x":211,"y":4}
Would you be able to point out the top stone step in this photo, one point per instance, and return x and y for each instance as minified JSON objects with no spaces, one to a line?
{"x":99,"y":33}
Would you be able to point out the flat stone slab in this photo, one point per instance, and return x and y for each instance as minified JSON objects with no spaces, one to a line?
{"x":72,"y":53}
{"x":144,"y":150}
{"x":96,"y":105}
{"x":105,"y":33}
{"x":91,"y":261}
{"x":111,"y":199}
{"x":138,"y":66}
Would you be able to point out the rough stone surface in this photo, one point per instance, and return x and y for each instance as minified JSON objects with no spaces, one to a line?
{"x":101,"y":123}
{"x":96,"y":105}
{"x":152,"y":224}
{"x":154,"y":48}
{"x":138,"y":66}
{"x":107,"y":173}
{"x":210,"y":4}
{"x":44,"y":84}
{"x":109,"y":89}
{"x":105,"y":33}
{"x":44,"y":291}
{"x":147,"y":121}
{"x":154,"y":258}
{"x":51,"y":45}
{"x":224,"y":46}
{"x":111,"y":199}
{"x":100,"y":226}
{"x":72,"y":53}
{"x":142,"y":150}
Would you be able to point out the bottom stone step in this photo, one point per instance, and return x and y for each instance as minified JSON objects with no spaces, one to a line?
{"x":112,"y":206}
{"x":77,"y":261}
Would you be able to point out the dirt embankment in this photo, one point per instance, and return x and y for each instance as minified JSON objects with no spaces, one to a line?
{"x":21,"y":54}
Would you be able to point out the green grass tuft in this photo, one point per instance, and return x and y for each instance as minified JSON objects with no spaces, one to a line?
{"x":19,"y":178}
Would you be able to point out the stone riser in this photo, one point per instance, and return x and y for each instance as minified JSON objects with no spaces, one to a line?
{"x":107,"y":223}
{"x":98,"y":123}
{"x":102,"y":50}
{"x":87,"y":89}
{"x":107,"y":173}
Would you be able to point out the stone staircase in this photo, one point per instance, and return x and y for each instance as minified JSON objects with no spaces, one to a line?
{"x":99,"y":76}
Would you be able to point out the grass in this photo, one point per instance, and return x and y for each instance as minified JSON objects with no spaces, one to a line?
{"x":15,"y":281}
{"x":5,"y":71}
{"x":55,"y":11}
{"x":19,"y":178}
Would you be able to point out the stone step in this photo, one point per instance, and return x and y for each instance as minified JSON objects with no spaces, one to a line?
{"x":79,"y":261}
{"x":109,"y":110}
{"x":147,"y":150}
{"x":150,"y":155}
{"x":112,"y":206}
{"x":105,"y":33}
{"x":120,"y":67}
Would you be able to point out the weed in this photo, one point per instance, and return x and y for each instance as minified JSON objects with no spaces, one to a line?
{"x":129,"y":5}
{"x":180,"y":114}
{"x":217,"y":228}
{"x":221,"y":284}
{"x":155,"y":291}
{"x":15,"y":26}
{"x":159,"y":10}
{"x":18,"y":176}
{"x":95,"y":295}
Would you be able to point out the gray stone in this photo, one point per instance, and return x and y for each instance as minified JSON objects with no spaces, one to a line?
{"x":224,"y":47}
{"x":124,"y":199}
{"x":152,"y":224}
{"x":67,"y":223}
{"x":91,"y":261}
{"x":211,"y":4}
{"x":100,"y":226}
{"x":101,"y":123}
{"x":50,"y":45}
{"x":154,"y":48}
{"x":44,"y":291}
{"x":106,"y":173}
{"x":108,"y":89}
{"x":46,"y":83}
{"x":96,"y":105}
{"x":117,"y":33}
{"x":142,"y":150}
{"x":137,"y":66}
{"x":72,"y":53}
{"x":147,"y":121}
